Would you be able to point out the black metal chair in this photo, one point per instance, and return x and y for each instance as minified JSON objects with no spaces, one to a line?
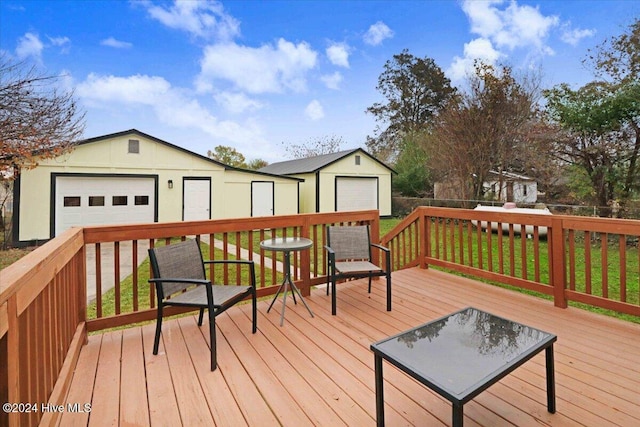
{"x":180,"y":280}
{"x":349,"y":250}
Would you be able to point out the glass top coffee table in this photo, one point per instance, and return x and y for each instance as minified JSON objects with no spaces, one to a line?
{"x":461,"y":355}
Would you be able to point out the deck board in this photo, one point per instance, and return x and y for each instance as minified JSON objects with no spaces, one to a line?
{"x":319,"y":371}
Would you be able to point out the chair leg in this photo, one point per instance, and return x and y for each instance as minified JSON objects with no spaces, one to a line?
{"x":388,"y":291}
{"x":370,"y":276}
{"x":333,"y":296}
{"x":212,"y":339}
{"x":255,"y":311}
{"x":201,"y":316}
{"x":156,"y":340}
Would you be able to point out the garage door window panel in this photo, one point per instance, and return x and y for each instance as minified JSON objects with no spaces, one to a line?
{"x":141,"y":200}
{"x":71,"y":201}
{"x":96,"y":200}
{"x":119,"y":201}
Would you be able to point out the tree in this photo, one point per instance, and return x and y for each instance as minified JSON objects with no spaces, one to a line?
{"x":227,"y":155}
{"x":37,"y":119}
{"x":602,"y":137}
{"x":326,"y":144}
{"x":416,"y":90}
{"x":256,"y":164}
{"x":486,"y":128}
{"x":412,"y":179}
{"x":602,"y":120}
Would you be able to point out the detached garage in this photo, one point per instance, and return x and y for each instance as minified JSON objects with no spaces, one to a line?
{"x":131,"y":177}
{"x":343,"y":181}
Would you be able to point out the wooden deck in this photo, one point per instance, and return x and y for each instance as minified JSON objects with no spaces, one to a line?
{"x":319,"y":371}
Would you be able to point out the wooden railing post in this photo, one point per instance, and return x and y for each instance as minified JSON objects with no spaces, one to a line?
{"x":557,"y":264}
{"x":305,"y":258}
{"x":13,"y":358}
{"x":425,"y":238}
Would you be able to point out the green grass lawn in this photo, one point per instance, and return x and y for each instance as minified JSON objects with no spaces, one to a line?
{"x":592,"y":251}
{"x":127,"y":290}
{"x":632,"y":262}
{"x":143,"y":291}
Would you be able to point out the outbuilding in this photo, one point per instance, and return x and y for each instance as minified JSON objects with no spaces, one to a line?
{"x":132,"y":177}
{"x":342,"y":181}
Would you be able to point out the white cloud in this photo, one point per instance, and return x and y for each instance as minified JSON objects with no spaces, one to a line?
{"x":377,"y":33}
{"x":332,"y":81}
{"x":512,"y":27}
{"x":314,"y":110}
{"x":170,"y":105}
{"x":237,"y":102}
{"x":59,"y":41}
{"x":266,"y":69}
{"x":112,"y":42}
{"x":203,"y":19}
{"x":573,"y":36}
{"x":29,"y":45}
{"x":478,"y":49}
{"x":338,"y":54}
{"x":138,"y":89}
{"x":503,"y":27}
{"x":485,"y":20}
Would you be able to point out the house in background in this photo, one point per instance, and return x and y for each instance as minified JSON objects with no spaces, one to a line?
{"x":511,"y":187}
{"x":343,"y":181}
{"x":131,"y":177}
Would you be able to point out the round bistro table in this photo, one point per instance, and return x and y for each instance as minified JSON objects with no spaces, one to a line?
{"x":286,"y":245}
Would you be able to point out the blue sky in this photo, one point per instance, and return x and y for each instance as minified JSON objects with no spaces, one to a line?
{"x":258,"y":75}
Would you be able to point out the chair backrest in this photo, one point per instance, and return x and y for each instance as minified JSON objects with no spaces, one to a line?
{"x":350,"y":242}
{"x":181,"y":260}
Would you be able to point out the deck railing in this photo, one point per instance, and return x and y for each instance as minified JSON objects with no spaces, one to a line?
{"x":595,"y":261}
{"x":42,"y":326}
{"x":44,"y":316}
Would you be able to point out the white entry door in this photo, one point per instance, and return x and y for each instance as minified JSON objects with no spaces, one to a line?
{"x":196,"y":201}
{"x":261,"y":198}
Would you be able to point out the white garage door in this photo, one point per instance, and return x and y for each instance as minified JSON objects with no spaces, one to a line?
{"x":83,"y":200}
{"x":354,"y":194}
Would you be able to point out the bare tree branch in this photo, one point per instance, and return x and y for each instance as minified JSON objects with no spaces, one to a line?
{"x":37,"y":119}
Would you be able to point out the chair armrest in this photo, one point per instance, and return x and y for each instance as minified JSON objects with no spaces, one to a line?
{"x":251,"y":264}
{"x":178,"y":280}
{"x":229,"y":261}
{"x":332,"y":255}
{"x":387,"y":256}
{"x":380,"y":247}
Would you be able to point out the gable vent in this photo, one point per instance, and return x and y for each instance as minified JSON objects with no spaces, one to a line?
{"x":134,"y":146}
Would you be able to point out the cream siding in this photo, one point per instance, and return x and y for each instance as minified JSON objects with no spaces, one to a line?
{"x":347,"y":167}
{"x":230,"y":192}
{"x":308,"y":193}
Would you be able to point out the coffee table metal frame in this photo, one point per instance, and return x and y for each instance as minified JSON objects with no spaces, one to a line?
{"x":459,"y":399}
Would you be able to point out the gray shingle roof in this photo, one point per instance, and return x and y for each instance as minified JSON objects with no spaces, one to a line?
{"x":310,"y":164}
